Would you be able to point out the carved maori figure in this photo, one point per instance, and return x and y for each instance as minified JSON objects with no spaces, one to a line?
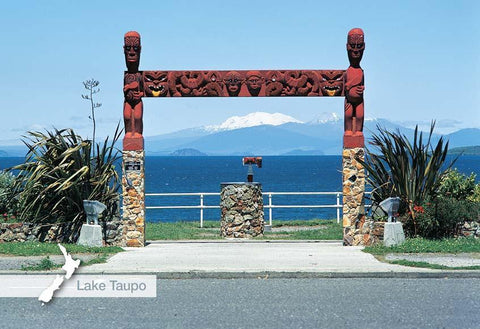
{"x":133,"y":105}
{"x":155,"y":83}
{"x":331,"y":83}
{"x":354,"y":87}
{"x":190,"y":83}
{"x":133,"y":92}
{"x":214,"y":86}
{"x":233,"y":82}
{"x":132,"y":50}
{"x":254,"y":85}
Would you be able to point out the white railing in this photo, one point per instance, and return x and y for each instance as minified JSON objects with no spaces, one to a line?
{"x":270,"y":205}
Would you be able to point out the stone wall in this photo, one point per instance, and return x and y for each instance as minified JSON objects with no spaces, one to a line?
{"x":21,"y":232}
{"x":241,"y":207}
{"x":353,"y":175}
{"x":468,"y":229}
{"x":368,"y":232}
{"x":133,"y":187}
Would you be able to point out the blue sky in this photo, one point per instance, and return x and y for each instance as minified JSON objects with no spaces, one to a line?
{"x":421,"y":60}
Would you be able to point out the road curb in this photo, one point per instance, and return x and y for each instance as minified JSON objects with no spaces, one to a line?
{"x":280,"y":275}
{"x":236,"y":240}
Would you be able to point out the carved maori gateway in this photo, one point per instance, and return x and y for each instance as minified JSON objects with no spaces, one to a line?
{"x":254,"y":83}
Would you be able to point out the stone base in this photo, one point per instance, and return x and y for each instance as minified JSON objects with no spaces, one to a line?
{"x":90,"y":235}
{"x":353,"y":175}
{"x":241,"y":205}
{"x":393,"y":234}
{"x":367,"y":233}
{"x":133,"y":185}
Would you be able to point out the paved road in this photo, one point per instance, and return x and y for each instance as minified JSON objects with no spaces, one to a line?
{"x":260,"y":303}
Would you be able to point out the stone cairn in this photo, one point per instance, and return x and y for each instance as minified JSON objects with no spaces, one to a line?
{"x":241,"y":205}
{"x":353,"y":174}
{"x":133,"y":186}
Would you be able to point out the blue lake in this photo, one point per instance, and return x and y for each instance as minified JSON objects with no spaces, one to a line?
{"x":279,"y":174}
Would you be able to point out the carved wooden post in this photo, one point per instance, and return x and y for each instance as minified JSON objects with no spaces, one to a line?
{"x":353,"y":174}
{"x":133,"y":180}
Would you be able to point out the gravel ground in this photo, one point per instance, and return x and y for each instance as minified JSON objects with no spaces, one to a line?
{"x":16,"y":262}
{"x":296,"y":228}
{"x":451,"y":260}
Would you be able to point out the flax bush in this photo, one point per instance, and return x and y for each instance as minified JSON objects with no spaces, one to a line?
{"x":397,"y":167}
{"x":60,"y":172}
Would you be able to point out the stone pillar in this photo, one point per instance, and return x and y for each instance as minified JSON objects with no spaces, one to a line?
{"x":353,"y":197}
{"x":133,"y":185}
{"x":241,"y":205}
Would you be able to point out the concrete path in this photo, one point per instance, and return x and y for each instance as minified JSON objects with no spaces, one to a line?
{"x":245,"y":257}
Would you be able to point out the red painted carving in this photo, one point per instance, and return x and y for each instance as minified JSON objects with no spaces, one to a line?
{"x":133,"y":91}
{"x":233,"y":81}
{"x":274,"y":83}
{"x":242,"y":83}
{"x":254,"y":85}
{"x":331,"y":83}
{"x":155,"y":83}
{"x":214,"y":85}
{"x":354,"y":87}
{"x":132,"y":49}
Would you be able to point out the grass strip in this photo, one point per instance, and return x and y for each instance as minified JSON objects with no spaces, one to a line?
{"x":421,"y":245}
{"x":327,"y":230}
{"x":44,"y":248}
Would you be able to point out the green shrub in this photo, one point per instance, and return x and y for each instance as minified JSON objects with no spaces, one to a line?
{"x":475,"y":197}
{"x":60,"y":172}
{"x":7,"y":196}
{"x":456,"y":185}
{"x":439,"y":218}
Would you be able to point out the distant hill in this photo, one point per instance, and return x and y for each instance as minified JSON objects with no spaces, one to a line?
{"x":464,"y":137}
{"x":187,"y":152}
{"x":266,"y":134}
{"x":469,"y":150}
{"x":304,"y":152}
{"x":319,"y":137}
{"x":13,"y":151}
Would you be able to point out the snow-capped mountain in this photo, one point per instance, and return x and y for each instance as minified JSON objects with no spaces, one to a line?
{"x":252,"y":120}
{"x":325,"y":117}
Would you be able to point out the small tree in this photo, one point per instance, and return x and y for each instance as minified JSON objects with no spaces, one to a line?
{"x":91,"y":85}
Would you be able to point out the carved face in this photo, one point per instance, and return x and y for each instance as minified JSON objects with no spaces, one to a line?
{"x":355,"y":46}
{"x":331,"y":83}
{"x":191,"y":79}
{"x":132,"y":49}
{"x":233,"y":81}
{"x":254,"y":82}
{"x":156,"y":83}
